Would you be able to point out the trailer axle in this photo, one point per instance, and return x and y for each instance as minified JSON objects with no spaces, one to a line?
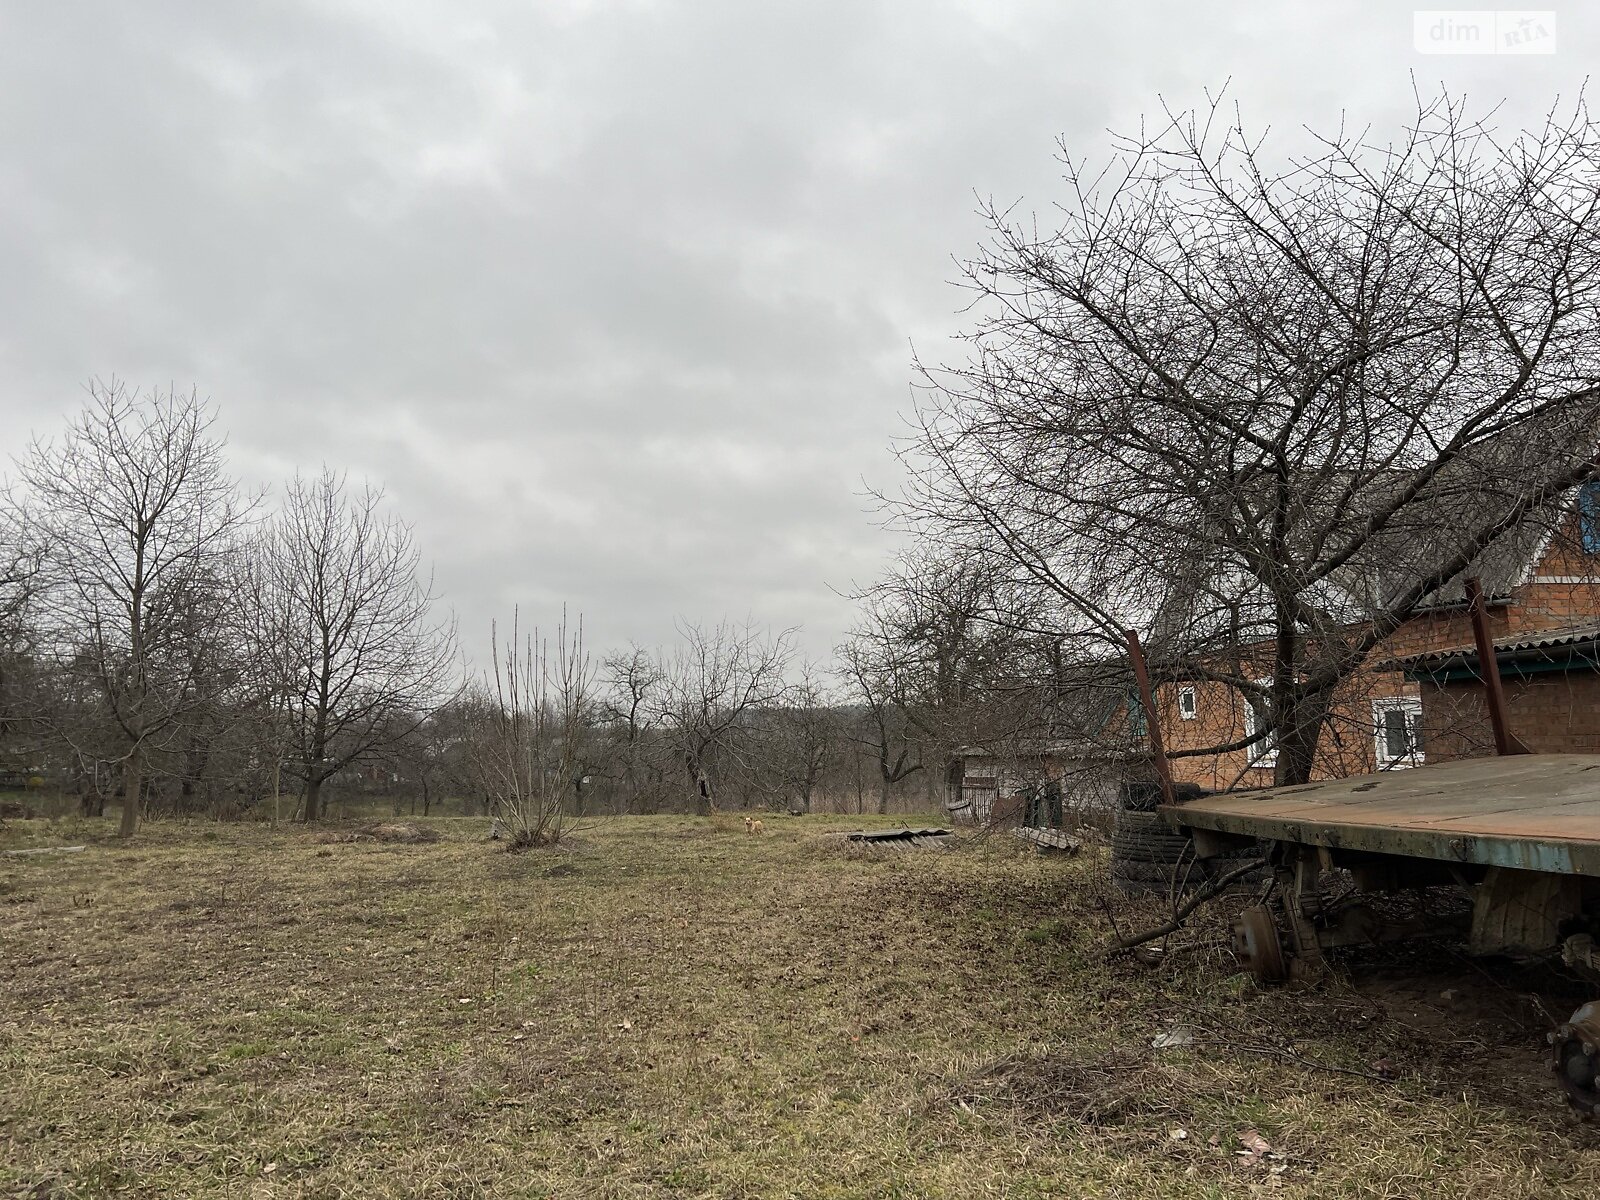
{"x":1576,"y":1060}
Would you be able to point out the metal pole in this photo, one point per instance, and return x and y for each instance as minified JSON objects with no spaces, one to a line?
{"x":1505,"y":742}
{"x":1158,"y":752}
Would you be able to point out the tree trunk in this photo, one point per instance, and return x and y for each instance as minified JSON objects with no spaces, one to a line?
{"x":313,"y":798}
{"x":701,"y":786}
{"x":1299,"y":731}
{"x":702,"y":800}
{"x":132,"y":785}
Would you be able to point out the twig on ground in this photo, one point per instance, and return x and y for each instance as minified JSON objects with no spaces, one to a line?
{"x":1206,"y":1026}
{"x":1175,"y":922}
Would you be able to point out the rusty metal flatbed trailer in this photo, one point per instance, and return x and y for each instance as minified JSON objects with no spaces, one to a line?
{"x":1527,"y":812}
{"x":1522,"y":832}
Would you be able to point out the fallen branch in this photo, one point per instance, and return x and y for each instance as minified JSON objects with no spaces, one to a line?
{"x":46,"y":850}
{"x":1205,"y":1021}
{"x":1292,"y":1056}
{"x":1175,"y":922}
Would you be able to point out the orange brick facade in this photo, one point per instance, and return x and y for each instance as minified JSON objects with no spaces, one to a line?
{"x":1557,"y":713}
{"x":1348,"y":745}
{"x":1552,"y":713}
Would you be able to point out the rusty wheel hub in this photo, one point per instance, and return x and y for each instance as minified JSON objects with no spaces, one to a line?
{"x":1577,"y":1059}
{"x":1257,"y":945}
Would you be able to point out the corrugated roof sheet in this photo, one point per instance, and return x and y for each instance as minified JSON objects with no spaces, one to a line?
{"x":1484,"y":485}
{"x":1522,"y":643}
{"x":905,"y":839}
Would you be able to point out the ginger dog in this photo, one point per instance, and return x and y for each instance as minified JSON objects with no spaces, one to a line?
{"x":753,"y":826}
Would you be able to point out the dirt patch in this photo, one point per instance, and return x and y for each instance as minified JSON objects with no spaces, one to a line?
{"x":404,"y":832}
{"x":1482,"y":1023}
{"x":1109,"y":1090}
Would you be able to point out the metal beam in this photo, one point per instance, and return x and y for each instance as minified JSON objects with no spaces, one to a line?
{"x":1505,"y":742}
{"x":1158,"y":751}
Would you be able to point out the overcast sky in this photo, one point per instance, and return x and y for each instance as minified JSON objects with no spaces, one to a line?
{"x":617,"y":299}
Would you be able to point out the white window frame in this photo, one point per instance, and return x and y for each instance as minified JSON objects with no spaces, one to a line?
{"x":1412,"y":706}
{"x":1261,"y":755}
{"x":1188,"y":702}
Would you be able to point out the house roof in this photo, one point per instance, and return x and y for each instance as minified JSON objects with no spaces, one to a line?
{"x":1485,"y":484}
{"x":1481,"y":486}
{"x":1560,"y":644}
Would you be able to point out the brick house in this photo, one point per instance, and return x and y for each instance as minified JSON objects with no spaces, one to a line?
{"x":1541,"y":583}
{"x":1552,"y":686}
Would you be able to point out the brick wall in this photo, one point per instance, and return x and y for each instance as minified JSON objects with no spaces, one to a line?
{"x":1562,"y":589}
{"x":1566,"y":715}
{"x":1553,"y":713}
{"x":1445,"y":630}
{"x":1540,"y":605}
{"x":1348,"y":745}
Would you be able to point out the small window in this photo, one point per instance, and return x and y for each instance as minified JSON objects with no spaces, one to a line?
{"x":1589,"y":516}
{"x":1398,"y":727}
{"x":1265,"y":752}
{"x":1187,"y":706}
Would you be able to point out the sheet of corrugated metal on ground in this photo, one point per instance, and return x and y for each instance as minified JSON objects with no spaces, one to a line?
{"x":904,"y":839}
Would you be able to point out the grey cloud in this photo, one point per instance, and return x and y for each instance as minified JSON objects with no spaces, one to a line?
{"x":615,"y":298}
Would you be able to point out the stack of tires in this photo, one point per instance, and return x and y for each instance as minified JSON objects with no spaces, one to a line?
{"x":1147,"y":856}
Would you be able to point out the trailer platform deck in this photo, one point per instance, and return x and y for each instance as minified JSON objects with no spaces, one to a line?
{"x":1534,"y":812}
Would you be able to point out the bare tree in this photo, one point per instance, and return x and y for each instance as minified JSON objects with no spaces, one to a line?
{"x":364,"y":659}
{"x":275,"y":665}
{"x":530,"y":756}
{"x":887,"y":733}
{"x":425,"y":761}
{"x":140,"y":521}
{"x":715,"y":679}
{"x":939,"y":657}
{"x":21,"y":562}
{"x":802,"y":739}
{"x":203,"y":755}
{"x":632,"y":682}
{"x":1269,"y":412}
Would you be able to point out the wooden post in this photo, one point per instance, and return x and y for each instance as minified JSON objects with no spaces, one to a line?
{"x":1158,"y":752}
{"x":1505,"y":742}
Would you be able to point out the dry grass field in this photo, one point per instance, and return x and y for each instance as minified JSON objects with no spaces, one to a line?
{"x":671,"y":1008}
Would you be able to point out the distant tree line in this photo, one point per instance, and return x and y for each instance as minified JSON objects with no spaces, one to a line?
{"x":172,"y":642}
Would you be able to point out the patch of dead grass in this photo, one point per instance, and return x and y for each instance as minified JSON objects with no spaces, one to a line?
{"x":1108,"y":1090}
{"x":672,"y":1008}
{"x":409,"y":833}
